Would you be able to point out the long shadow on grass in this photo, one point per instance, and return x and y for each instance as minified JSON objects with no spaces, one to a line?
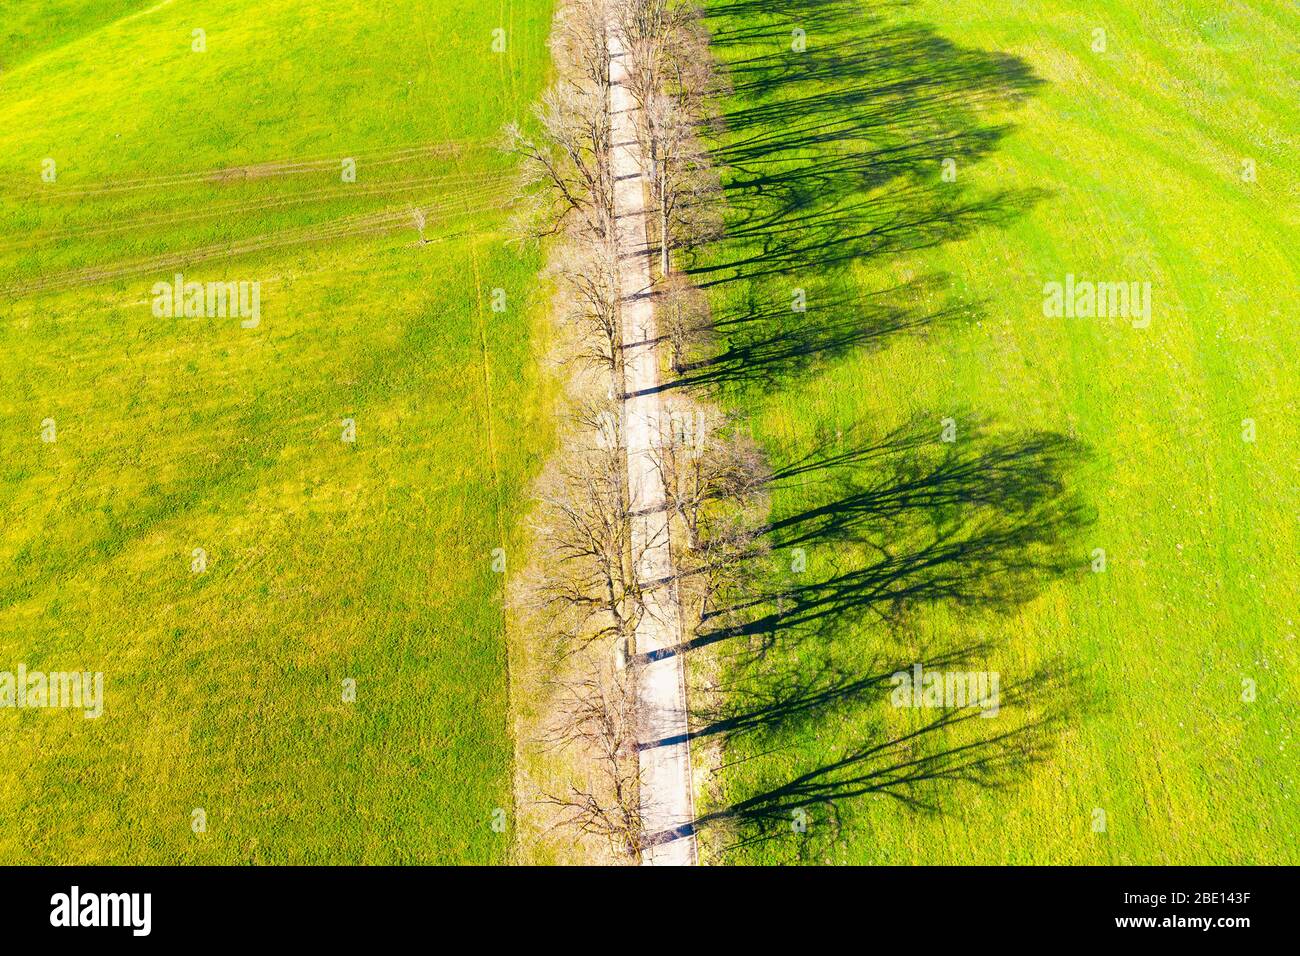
{"x":851,"y":151}
{"x":766,"y":345}
{"x":918,"y":758}
{"x":884,"y":525}
{"x":835,"y":156}
{"x":903,"y":518}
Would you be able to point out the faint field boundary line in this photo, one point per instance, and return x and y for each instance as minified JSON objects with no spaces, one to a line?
{"x":508,"y":717}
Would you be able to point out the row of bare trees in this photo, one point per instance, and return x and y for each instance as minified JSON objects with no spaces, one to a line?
{"x":567,"y":183}
{"x":582,"y":600}
{"x":584,"y":597}
{"x":675,"y":83}
{"x":672,"y":77}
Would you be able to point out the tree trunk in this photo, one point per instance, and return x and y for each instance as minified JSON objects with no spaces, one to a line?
{"x":665,"y":263}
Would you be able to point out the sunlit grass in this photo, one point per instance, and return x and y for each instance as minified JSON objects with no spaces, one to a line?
{"x":326,"y":560}
{"x":1123,"y":165}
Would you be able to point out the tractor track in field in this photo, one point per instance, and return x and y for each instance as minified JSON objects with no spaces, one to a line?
{"x":245,"y":173}
{"x":364,"y":224}
{"x":241,"y":208}
{"x":470,"y":195}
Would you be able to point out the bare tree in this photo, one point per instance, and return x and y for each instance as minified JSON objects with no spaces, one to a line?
{"x":644,"y":26}
{"x":420,"y":221}
{"x":686,"y":186}
{"x":589,"y":276}
{"x":579,"y":42}
{"x":589,"y":589}
{"x":599,"y":715}
{"x":690,"y":72}
{"x":701,"y":466}
{"x":565,"y":168}
{"x":667,"y":48}
{"x":685,"y":320}
{"x":672,"y":77}
{"x":725,"y":570}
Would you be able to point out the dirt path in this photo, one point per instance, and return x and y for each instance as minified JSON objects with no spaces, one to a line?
{"x":666,"y":798}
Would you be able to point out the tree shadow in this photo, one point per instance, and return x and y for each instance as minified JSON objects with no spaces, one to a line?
{"x":919,"y":763}
{"x":884,"y":525}
{"x":903,"y":519}
{"x":834,"y":156}
{"x":857,"y":148}
{"x":771,"y":700}
{"x":768,"y":344}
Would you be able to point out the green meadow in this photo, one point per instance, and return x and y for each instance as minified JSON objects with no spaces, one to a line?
{"x":1100,"y":509}
{"x":276,"y":534}
{"x":238,"y":519}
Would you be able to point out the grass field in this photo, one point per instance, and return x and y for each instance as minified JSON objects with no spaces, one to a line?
{"x":1127,"y":731}
{"x":326,"y":559}
{"x":1101,"y":510}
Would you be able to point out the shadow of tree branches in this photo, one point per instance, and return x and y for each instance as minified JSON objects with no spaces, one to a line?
{"x":831,"y":159}
{"x":919,"y":765}
{"x":890,"y":523}
{"x":906,"y":519}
